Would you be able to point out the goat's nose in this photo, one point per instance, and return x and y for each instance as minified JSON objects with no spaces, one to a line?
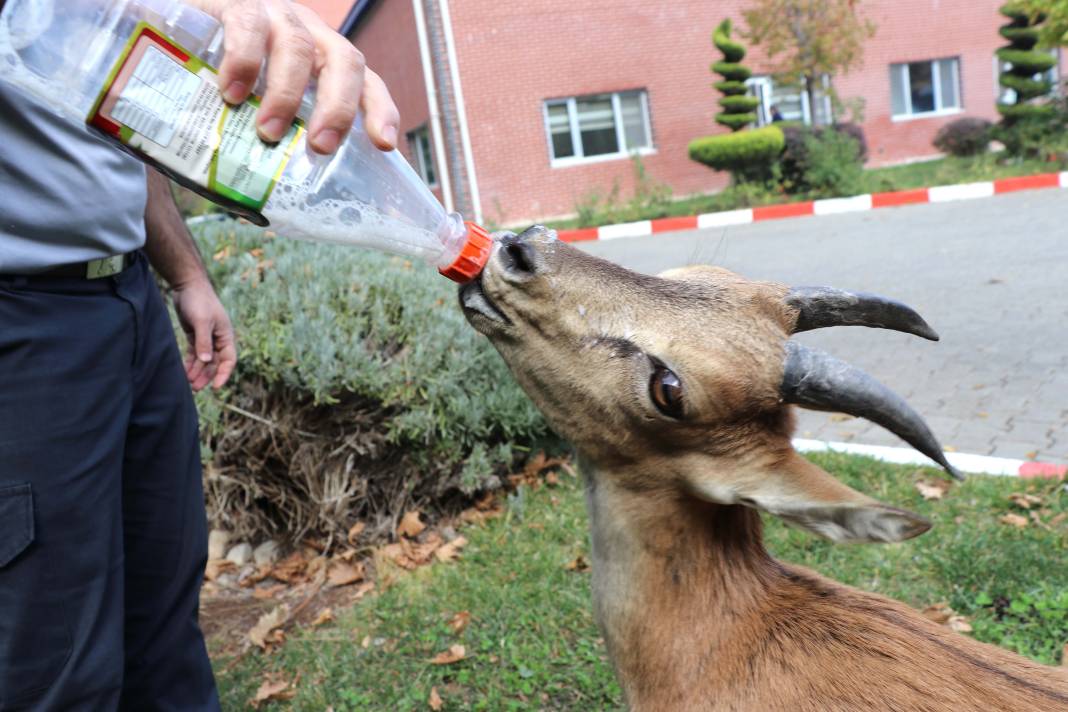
{"x":518,"y":257}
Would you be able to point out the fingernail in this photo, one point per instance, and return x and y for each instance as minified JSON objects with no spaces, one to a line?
{"x":272,"y":130}
{"x":235,"y":92}
{"x":326,"y":141}
{"x":205,"y":357}
{"x":389,"y":133}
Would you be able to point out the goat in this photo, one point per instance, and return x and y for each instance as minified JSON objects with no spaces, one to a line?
{"x":676,"y":392}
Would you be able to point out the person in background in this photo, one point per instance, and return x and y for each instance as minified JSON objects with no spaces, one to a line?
{"x":103,"y":535}
{"x":776,"y":115}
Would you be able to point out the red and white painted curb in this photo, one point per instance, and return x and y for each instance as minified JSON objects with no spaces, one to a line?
{"x":965,"y":462}
{"x":831,"y":206}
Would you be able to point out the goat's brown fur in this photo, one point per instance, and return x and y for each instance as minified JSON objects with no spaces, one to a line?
{"x":696,"y":615}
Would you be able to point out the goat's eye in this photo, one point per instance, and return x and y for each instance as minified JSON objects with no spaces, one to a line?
{"x":665,"y":389}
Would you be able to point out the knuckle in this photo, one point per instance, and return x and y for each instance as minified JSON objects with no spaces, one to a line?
{"x":352,"y":57}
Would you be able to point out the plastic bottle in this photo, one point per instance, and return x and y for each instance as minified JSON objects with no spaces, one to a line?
{"x":141,"y":72}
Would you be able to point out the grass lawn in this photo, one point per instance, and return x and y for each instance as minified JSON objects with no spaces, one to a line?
{"x":942,"y":171}
{"x":531,"y":643}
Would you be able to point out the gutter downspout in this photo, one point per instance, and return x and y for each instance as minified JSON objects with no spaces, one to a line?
{"x":461,"y":110}
{"x":432,"y":104}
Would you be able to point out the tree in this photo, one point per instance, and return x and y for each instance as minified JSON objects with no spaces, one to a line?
{"x":1025,"y":66}
{"x":737,"y":105}
{"x":813,"y":38}
{"x":1054,"y":30}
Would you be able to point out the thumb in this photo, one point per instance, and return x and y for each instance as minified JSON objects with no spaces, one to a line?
{"x":202,"y":335}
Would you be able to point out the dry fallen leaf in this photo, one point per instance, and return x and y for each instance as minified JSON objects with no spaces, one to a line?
{"x":938,"y":612}
{"x":1057,"y":519}
{"x":261,"y":633}
{"x":1024,"y":501}
{"x":933,"y":490}
{"x":274,"y":688}
{"x":942,"y":614}
{"x":578,"y":564}
{"x":290,"y":569}
{"x":454,"y":654}
{"x":840,"y":417}
{"x":325,"y":616}
{"x":459,"y":621}
{"x":451,"y":550}
{"x":552,"y":479}
{"x":366,"y":642}
{"x":960,"y":624}
{"x":355,"y":530}
{"x":1014,"y":520}
{"x":268,"y":592}
{"x":216,"y":567}
{"x":410,"y":524}
{"x":341,"y":573}
{"x":435,"y":700}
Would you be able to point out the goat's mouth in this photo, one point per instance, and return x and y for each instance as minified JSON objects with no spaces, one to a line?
{"x":479,"y":308}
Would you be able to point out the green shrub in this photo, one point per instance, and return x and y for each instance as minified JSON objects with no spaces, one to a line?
{"x":1023,"y":86}
{"x":734,"y":72}
{"x":1028,"y":62}
{"x":749,"y":155}
{"x":968,"y":136}
{"x":361,"y":391}
{"x":833,"y":165}
{"x":740,"y":104}
{"x":721,"y":37}
{"x":803,"y":170}
{"x":1018,"y":112}
{"x":1025,"y":62}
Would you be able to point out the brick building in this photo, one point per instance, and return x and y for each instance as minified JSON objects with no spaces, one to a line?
{"x":515,"y":111}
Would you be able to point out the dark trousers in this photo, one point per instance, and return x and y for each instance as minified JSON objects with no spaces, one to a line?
{"x":103,"y":535}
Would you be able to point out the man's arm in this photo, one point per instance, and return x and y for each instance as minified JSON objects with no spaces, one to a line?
{"x":212,"y":352}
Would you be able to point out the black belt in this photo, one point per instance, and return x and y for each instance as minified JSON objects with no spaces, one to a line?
{"x":93,"y":269}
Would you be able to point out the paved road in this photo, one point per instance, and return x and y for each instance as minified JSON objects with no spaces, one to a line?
{"x":990,"y":275}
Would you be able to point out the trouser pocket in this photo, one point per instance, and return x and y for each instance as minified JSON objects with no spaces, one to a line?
{"x":34,"y":639}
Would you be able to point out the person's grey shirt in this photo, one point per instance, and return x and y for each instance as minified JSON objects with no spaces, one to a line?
{"x":66,"y":195}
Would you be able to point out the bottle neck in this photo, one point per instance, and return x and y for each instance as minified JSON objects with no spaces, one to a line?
{"x":453,"y":235}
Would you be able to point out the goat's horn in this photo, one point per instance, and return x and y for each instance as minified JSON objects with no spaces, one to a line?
{"x":817,"y":380}
{"x":825,"y":306}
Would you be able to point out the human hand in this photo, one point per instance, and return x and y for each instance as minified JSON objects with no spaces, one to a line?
{"x":298,"y":46}
{"x":212,"y":351}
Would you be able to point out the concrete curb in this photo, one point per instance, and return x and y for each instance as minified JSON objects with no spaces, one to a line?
{"x":978,"y":464}
{"x":831,"y":206}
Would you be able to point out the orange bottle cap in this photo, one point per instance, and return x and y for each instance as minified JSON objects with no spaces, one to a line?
{"x":472,"y":258}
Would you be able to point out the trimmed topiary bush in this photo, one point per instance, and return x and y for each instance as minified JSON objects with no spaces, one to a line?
{"x":361,"y":391}
{"x":1026,"y":64}
{"x":737,"y":107}
{"x":969,"y":136}
{"x":748,"y":155}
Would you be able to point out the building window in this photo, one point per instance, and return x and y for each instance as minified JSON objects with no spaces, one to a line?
{"x":597,"y":127}
{"x":1008,"y":96}
{"x":422,"y":158}
{"x":925,"y":88}
{"x":789,"y":102}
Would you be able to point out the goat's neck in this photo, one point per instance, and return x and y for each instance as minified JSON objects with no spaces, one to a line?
{"x":673,"y":579}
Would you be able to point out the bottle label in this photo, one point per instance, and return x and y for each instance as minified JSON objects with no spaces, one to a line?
{"x":163,"y":103}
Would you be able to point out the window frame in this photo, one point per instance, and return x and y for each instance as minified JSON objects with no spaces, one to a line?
{"x":936,"y":83}
{"x":762,"y":86}
{"x":579,"y":158}
{"x":422,"y":159}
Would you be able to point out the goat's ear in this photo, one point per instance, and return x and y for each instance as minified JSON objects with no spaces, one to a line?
{"x":805,"y":496}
